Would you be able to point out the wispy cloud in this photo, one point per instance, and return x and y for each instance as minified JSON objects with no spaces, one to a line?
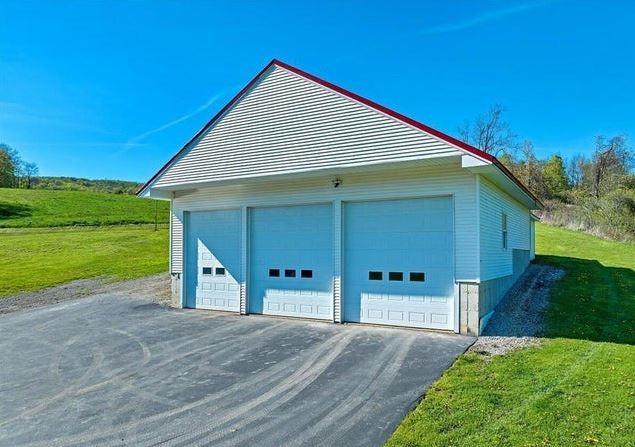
{"x":488,"y":16}
{"x":14,"y":114}
{"x":136,"y":141}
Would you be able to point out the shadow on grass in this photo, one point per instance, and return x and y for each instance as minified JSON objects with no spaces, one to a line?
{"x":592,"y":302}
{"x":9,"y":210}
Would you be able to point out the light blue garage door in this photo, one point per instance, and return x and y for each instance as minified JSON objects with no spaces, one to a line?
{"x":213,"y":260}
{"x":398,"y":263}
{"x":291,"y":268}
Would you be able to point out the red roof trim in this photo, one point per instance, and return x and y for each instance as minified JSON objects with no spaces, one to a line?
{"x":445,"y":137}
{"x":387,"y":111}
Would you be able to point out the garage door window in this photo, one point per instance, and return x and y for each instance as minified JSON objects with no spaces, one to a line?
{"x":306,"y":273}
{"x":220,"y":271}
{"x":395,"y":276}
{"x":289,"y":273}
{"x":375,"y":276}
{"x":207,"y":270}
{"x":417,"y":276}
{"x":274,"y":273}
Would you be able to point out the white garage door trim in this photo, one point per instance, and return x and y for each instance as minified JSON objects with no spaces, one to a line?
{"x":291,"y":260}
{"x":213,"y":269}
{"x":379,"y":239}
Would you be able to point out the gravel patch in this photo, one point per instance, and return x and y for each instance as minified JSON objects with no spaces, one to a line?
{"x":155,"y":288}
{"x":518,"y":318}
{"x":492,"y":345}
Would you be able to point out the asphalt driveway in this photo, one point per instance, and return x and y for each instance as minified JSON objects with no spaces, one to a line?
{"x":114,"y":371}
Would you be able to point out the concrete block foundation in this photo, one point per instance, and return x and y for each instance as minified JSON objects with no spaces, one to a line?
{"x":477,"y":301}
{"x":176,"y":301}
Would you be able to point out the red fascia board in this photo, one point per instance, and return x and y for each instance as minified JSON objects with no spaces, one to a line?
{"x":367,"y":102}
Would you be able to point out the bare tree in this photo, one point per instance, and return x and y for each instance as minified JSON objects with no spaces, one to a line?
{"x":490,"y":132}
{"x":30,"y":170}
{"x":610,"y":163}
{"x":575,"y":169}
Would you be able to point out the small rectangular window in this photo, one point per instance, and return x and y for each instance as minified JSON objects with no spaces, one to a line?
{"x":395,"y":276}
{"x":417,"y":276}
{"x":306,"y":273}
{"x":220,"y":271}
{"x":504,"y":229}
{"x":207,"y":270}
{"x":274,"y":273}
{"x":289,"y":273}
{"x":375,"y":276}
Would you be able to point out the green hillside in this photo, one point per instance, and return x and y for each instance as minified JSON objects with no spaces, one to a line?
{"x":21,"y":208}
{"x":32,"y":259}
{"x":576,"y":389}
{"x":84,"y":184}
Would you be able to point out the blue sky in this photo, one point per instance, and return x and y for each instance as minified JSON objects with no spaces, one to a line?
{"x":112,"y":89}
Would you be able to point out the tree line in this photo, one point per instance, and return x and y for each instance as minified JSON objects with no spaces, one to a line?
{"x":15,"y":172}
{"x":594,"y":193}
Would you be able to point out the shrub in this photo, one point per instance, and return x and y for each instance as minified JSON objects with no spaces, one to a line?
{"x":611,"y":216}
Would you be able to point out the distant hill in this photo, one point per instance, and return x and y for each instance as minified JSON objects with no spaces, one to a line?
{"x":42,"y":208}
{"x":84,"y":184}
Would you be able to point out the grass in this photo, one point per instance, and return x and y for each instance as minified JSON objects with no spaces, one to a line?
{"x":33,"y":259}
{"x":575,"y":389}
{"x":21,"y":208}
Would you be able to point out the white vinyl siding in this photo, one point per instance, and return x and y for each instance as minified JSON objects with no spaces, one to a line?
{"x":497,"y":261}
{"x":504,"y":232}
{"x":532,"y":240}
{"x":289,"y":124}
{"x":176,"y":240}
{"x":389,"y":184}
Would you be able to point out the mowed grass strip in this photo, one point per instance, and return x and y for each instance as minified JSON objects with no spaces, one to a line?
{"x":21,"y":208}
{"x":576,"y":389}
{"x":35,"y":259}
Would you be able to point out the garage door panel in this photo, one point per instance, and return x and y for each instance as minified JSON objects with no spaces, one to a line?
{"x":292,"y":238}
{"x":405,"y":316}
{"x":213,"y":260}
{"x":403,"y":237}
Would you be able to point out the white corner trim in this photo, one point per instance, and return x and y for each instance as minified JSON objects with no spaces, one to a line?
{"x":478,"y":224}
{"x":337,"y":261}
{"x":244,"y":259}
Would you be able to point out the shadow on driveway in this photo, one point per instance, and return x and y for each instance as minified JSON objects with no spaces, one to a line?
{"x":109,"y":370}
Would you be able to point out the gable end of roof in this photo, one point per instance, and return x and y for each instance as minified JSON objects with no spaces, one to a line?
{"x":357,"y":98}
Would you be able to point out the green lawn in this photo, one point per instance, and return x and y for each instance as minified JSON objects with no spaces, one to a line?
{"x":47,"y":208}
{"x":576,"y":389}
{"x":32,"y":259}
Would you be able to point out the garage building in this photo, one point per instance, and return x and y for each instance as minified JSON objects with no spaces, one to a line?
{"x":302,"y":199}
